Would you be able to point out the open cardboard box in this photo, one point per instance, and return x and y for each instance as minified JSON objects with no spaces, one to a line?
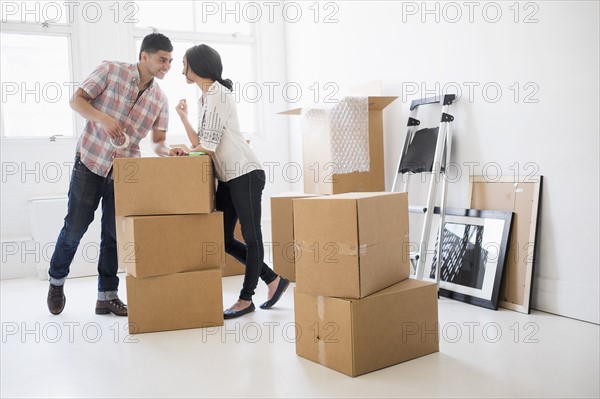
{"x":317,"y":167}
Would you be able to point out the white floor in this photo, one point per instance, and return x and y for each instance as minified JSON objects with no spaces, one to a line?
{"x":483,"y":353}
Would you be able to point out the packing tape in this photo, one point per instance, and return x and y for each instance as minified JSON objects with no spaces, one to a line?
{"x":321,"y":352}
{"x":362,"y":249}
{"x":321,"y":307}
{"x":124,"y":145}
{"x":320,"y":342}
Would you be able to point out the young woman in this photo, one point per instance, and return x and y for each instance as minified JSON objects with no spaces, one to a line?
{"x":241,"y":179}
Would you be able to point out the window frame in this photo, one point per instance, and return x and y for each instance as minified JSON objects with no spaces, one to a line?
{"x":46,"y":29}
{"x":197,"y":37}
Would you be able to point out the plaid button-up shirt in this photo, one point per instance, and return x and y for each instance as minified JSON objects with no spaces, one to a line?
{"x":113,"y":87}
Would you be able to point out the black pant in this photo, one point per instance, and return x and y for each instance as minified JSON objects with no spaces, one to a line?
{"x":240,"y":198}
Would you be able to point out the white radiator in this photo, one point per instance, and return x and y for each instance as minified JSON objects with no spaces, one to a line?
{"x":47,"y":218}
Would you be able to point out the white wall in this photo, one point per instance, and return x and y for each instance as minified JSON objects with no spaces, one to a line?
{"x":558,"y":134}
{"x":38,"y":167}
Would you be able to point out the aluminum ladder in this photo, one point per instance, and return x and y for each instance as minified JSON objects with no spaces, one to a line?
{"x":427,"y":151}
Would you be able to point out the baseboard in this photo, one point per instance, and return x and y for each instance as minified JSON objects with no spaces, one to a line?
{"x":565,"y":298}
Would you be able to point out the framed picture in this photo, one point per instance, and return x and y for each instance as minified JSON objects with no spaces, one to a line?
{"x":473,"y":252}
{"x":522,"y":196}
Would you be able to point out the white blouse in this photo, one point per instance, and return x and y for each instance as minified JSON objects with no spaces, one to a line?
{"x":219,"y":131}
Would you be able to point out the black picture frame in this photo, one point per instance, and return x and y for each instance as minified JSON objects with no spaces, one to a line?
{"x":474,"y":254}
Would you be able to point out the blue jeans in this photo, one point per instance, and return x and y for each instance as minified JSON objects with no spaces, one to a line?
{"x":240,"y":198}
{"x":85,"y":191}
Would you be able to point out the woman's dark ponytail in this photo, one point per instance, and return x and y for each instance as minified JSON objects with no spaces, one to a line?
{"x":226,"y":82}
{"x":205,"y":61}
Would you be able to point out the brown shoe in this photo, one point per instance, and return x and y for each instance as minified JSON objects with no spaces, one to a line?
{"x":56,"y":299}
{"x":114,"y":306}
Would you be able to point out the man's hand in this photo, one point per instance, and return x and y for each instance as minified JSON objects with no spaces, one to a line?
{"x":177,"y":152}
{"x":80,"y":103}
{"x":112,"y":127}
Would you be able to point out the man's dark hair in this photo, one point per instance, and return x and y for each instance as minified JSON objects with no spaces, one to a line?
{"x":155,"y":42}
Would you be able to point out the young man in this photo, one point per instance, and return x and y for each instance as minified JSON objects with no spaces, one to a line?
{"x":117,"y":100}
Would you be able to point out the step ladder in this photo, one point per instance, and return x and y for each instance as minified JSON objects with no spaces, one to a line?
{"x":426,"y":151}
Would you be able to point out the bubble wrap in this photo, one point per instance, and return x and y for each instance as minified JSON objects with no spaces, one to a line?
{"x":345,"y":130}
{"x":349,"y":124}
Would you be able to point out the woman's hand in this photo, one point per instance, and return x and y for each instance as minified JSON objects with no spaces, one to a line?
{"x":182,"y":109}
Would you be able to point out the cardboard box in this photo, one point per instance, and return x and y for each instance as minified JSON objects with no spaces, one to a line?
{"x":357,"y":336}
{"x":175,"y":301}
{"x":166,"y":244}
{"x":351,"y":245}
{"x":163,"y":186}
{"x":319,"y":171}
{"x":231,"y":266}
{"x":282,"y":233}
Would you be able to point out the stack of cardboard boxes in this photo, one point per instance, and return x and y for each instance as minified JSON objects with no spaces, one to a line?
{"x":170,"y":242}
{"x":320,"y":178}
{"x":356,"y":310}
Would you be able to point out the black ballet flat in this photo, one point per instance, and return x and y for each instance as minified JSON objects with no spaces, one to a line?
{"x":232,"y":314}
{"x":281,"y":287}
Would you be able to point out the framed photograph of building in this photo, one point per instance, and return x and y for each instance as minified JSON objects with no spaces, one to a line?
{"x":474,"y":251}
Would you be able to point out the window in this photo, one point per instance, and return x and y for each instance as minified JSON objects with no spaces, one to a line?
{"x":221,"y":25}
{"x":198,"y":16}
{"x":35,"y":86}
{"x":36,"y":67}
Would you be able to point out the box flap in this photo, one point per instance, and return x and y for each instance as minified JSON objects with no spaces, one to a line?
{"x":337,"y":221}
{"x":295,"y":111}
{"x":326,"y":237}
{"x":376,"y":103}
{"x":382,"y":217}
{"x":355,"y":195}
{"x":293,"y":194}
{"x":389,"y":329}
{"x":405,"y":285}
{"x":325,"y":333}
{"x":379,"y":103}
